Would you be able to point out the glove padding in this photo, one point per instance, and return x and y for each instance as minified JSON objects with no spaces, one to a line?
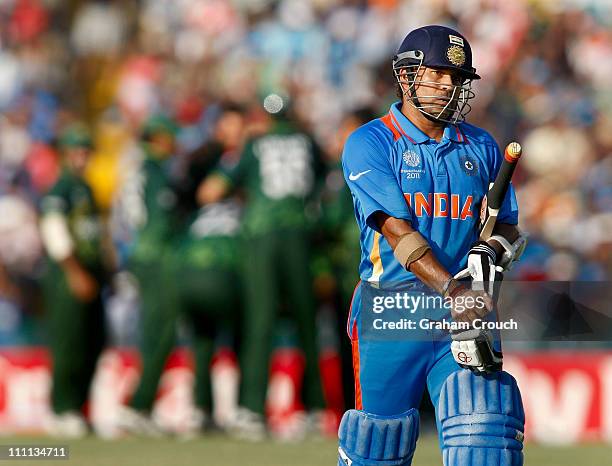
{"x":486,"y":276}
{"x":473,"y":350}
{"x":512,"y":251}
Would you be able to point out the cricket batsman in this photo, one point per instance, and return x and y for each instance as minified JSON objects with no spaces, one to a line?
{"x":418,"y":177}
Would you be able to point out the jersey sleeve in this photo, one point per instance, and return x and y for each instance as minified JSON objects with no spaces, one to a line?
{"x":369,"y":176}
{"x":508,"y":213}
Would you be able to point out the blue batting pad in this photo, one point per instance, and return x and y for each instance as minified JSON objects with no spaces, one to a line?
{"x":373,"y":440}
{"x":482,"y":420}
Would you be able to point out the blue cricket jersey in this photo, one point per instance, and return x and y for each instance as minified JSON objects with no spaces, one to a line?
{"x":393,"y":167}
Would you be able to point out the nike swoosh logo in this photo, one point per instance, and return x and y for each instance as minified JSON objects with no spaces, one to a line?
{"x":358,"y":175}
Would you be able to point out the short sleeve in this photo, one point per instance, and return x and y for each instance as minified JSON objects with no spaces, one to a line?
{"x":368,"y":173}
{"x":508,"y":213}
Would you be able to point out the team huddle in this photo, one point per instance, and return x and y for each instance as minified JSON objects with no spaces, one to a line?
{"x":184,"y":242}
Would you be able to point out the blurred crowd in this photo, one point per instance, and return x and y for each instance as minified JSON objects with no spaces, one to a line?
{"x":113,"y":64}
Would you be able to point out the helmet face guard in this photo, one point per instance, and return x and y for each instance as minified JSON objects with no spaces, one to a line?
{"x":450,"y":108}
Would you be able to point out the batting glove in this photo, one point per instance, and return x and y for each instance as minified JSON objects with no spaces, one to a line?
{"x":473,"y":350}
{"x":486,"y":276}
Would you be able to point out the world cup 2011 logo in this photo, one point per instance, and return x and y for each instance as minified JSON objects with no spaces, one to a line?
{"x":411,"y":158}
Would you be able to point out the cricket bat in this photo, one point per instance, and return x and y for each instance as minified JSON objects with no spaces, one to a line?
{"x":499,"y":188}
{"x":497,"y":193}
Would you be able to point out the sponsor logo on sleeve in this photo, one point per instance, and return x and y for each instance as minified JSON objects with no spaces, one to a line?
{"x":356,"y":176}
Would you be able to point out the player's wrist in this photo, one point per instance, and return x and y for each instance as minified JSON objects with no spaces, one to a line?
{"x":496,"y":246}
{"x":452,"y":287}
{"x":446,"y":285}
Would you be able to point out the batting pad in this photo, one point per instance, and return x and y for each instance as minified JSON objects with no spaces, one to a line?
{"x":482,"y":420}
{"x":373,"y":440}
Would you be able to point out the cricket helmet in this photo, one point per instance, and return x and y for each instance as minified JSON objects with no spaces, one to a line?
{"x":437,"y":47}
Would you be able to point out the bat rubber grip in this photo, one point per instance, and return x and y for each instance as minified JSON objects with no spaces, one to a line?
{"x":502,"y":181}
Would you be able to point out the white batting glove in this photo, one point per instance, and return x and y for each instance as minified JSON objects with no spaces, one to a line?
{"x":481,"y":266}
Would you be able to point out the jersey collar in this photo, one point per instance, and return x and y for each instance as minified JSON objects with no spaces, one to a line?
{"x":414,"y":134}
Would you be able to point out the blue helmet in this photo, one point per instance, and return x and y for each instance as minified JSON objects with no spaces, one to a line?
{"x":438,"y":47}
{"x":442,"y":48}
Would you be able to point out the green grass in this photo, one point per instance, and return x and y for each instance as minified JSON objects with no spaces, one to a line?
{"x":220,"y":451}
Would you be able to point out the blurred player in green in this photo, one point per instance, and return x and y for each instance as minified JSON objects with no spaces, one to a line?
{"x":207,"y":259}
{"x":150,"y":203}
{"x":186,"y":265}
{"x":71,"y":232}
{"x":278,"y":171}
